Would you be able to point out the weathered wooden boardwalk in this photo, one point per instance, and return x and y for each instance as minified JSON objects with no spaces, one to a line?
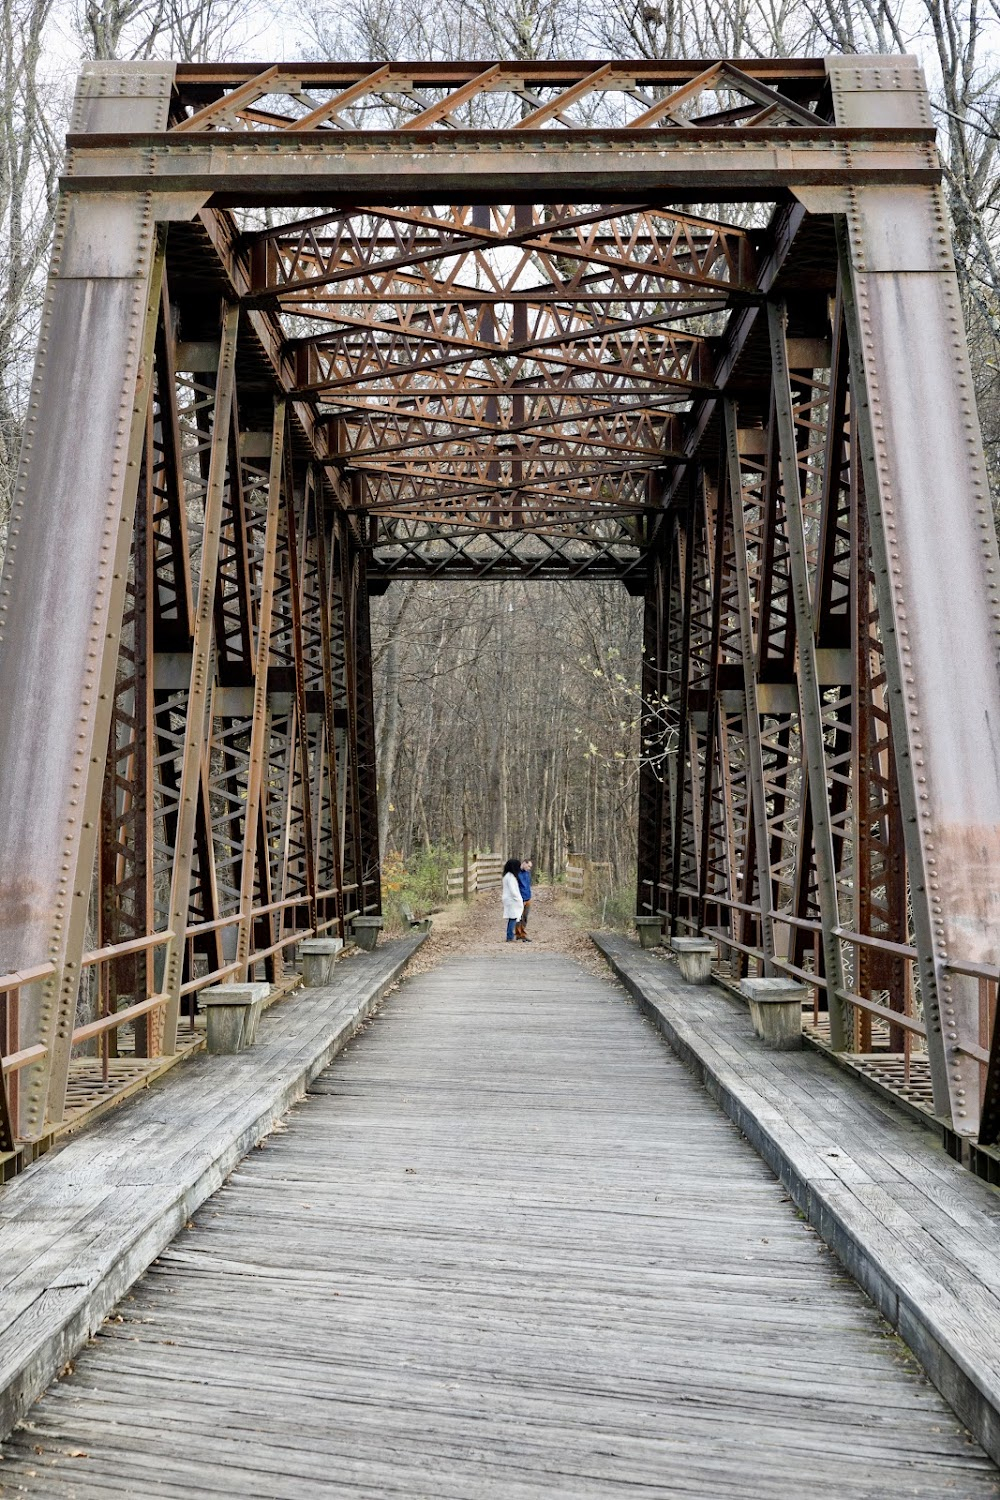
{"x":508,"y":1248}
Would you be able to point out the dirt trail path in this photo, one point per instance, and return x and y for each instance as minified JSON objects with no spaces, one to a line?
{"x":554,"y":926}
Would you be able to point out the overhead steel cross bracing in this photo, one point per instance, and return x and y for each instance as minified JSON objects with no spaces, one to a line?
{"x":501,"y":367}
{"x":489,"y":329}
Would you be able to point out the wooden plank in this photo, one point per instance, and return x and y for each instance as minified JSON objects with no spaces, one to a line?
{"x":918,"y":1232}
{"x":80,"y":1225}
{"x":506,"y":1247}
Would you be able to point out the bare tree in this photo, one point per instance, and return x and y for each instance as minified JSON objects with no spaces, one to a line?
{"x":514,"y":706}
{"x":104,"y":25}
{"x":34,"y":107}
{"x":382,"y":30}
{"x":188,"y":30}
{"x":30,"y":152}
{"x":957,"y":39}
{"x":528,"y":30}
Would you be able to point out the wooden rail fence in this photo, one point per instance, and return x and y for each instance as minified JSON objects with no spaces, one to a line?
{"x":587,"y":879}
{"x":484,"y":873}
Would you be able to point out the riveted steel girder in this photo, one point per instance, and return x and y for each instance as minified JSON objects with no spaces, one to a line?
{"x":322,"y":168}
{"x":937,"y":574}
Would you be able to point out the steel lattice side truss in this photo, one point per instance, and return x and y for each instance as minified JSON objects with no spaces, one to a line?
{"x":488,"y":330}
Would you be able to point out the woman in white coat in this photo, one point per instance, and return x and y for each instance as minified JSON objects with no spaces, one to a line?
{"x":513,"y":901}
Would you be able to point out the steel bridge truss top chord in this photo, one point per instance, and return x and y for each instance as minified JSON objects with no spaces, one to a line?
{"x":634,"y":94}
{"x":487,"y":329}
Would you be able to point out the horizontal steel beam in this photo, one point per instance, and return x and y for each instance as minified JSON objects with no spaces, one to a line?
{"x":331,"y":168}
{"x":809,"y":71}
{"x":461,"y":569}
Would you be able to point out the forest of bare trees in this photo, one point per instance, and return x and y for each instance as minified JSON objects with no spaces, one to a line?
{"x":509,"y":710}
{"x":505,"y":710}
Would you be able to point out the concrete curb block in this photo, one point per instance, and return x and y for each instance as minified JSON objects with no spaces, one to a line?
{"x":76,"y":1302}
{"x":971,"y":1391}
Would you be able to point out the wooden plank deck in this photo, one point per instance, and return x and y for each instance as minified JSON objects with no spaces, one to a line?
{"x":79,"y":1225}
{"x":917,"y":1230}
{"x":507,"y":1247}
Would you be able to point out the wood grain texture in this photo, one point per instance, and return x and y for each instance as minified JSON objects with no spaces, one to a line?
{"x":918,"y":1231}
{"x":80,"y":1224}
{"x":507,"y":1247}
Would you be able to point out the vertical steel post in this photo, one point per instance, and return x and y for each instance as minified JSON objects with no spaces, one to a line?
{"x":261,"y":715}
{"x":652,"y":739}
{"x":197,"y":727}
{"x":936,"y":566}
{"x":364,"y":696}
{"x":755,"y":752}
{"x":715,"y":536}
{"x":325,"y":560}
{"x":807,"y":680}
{"x":683,"y":738}
{"x":8,"y":1100}
{"x":59,"y":625}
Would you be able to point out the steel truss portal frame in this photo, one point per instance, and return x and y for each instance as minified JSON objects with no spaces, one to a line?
{"x":487,"y":329}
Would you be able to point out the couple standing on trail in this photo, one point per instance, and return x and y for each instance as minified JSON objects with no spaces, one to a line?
{"x":517,"y":898}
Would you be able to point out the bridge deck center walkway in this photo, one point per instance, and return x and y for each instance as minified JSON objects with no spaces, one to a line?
{"x":507,"y":1247}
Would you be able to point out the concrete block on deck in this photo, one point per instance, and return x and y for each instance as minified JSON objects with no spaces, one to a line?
{"x":649,"y":929}
{"x":231,"y":1015}
{"x":776,"y":1011}
{"x":694,"y":958}
{"x":365,"y":931}
{"x":319,"y":955}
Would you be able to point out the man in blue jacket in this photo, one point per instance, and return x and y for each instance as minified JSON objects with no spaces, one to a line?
{"x":524,"y":881}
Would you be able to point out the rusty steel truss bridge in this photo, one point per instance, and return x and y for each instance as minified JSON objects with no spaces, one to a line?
{"x":313,"y":328}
